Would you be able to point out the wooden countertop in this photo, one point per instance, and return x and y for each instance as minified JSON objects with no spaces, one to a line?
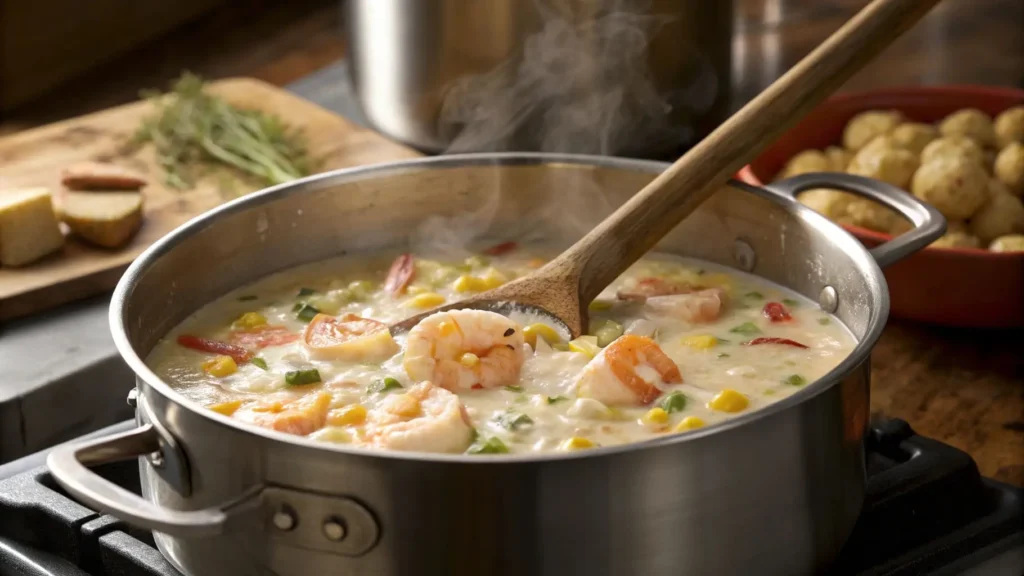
{"x":963,"y":387}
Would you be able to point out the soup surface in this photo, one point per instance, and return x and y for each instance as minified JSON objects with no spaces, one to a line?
{"x":674,"y":345}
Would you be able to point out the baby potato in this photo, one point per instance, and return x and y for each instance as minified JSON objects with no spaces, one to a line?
{"x":1000,"y":215}
{"x":863,"y":127}
{"x":838,"y":158}
{"x":957,"y":240}
{"x":891,"y":165}
{"x":1009,"y":243}
{"x":806,"y":162}
{"x":955,"y":186}
{"x":826,"y":201}
{"x":865,"y":213}
{"x":971,"y":123}
{"x":913,"y":136}
{"x":1009,"y":126}
{"x":1009,"y":168}
{"x":952,"y":147}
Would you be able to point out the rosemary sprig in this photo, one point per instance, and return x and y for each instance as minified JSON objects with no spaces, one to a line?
{"x":193,"y":128}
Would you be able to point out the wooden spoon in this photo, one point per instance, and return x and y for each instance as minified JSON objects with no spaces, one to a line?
{"x":565,"y":286}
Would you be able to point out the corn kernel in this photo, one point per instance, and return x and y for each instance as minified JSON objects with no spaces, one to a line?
{"x":729,"y":400}
{"x":599,"y":305}
{"x":417,"y":289}
{"x":689,"y":423}
{"x":549,"y":334}
{"x":469,"y":360}
{"x":405,"y":406}
{"x":249,"y":320}
{"x":226,"y":408}
{"x":467,"y":283}
{"x":331,"y":434}
{"x":701,"y":342}
{"x":655,"y":416}
{"x":576,"y":443}
{"x":446,"y":328}
{"x":492,"y":279}
{"x":426,"y":300}
{"x":723,"y":281}
{"x":347,"y":415}
{"x":220,"y":366}
{"x":585,"y":345}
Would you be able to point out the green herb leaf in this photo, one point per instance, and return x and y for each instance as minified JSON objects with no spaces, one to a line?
{"x":257,"y":361}
{"x":302,"y":377}
{"x":383,"y":385}
{"x":306,"y":292}
{"x":790,"y":302}
{"x":824,"y":321}
{"x":795,"y":380}
{"x":674,"y":402}
{"x":306,"y":312}
{"x":723,"y":355}
{"x":556,"y":399}
{"x":747,"y":328}
{"x":514,"y":388}
{"x":492,"y":445}
{"x":247,"y":298}
{"x":754,"y":295}
{"x":512,"y":420}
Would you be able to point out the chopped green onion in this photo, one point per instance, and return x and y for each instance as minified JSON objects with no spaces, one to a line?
{"x":674,"y":402}
{"x":513,"y":420}
{"x":306,"y":312}
{"x":824,"y":321}
{"x":260,"y":362}
{"x":795,"y":380}
{"x":790,"y":302}
{"x":607,"y":331}
{"x":723,"y":355}
{"x":492,"y":445}
{"x":302,"y":377}
{"x":247,"y":298}
{"x":556,"y":399}
{"x":755,"y":295}
{"x":384,"y":385}
{"x":746,"y":328}
{"x":514,"y":388}
{"x":306,"y":292}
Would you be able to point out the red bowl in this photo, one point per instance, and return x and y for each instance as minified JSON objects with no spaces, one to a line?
{"x":949,"y":286}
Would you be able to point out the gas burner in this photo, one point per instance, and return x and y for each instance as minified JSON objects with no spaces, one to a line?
{"x":927,"y":512}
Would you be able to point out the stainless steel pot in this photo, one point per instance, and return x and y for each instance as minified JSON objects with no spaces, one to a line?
{"x":775,"y":491}
{"x":638,"y":78}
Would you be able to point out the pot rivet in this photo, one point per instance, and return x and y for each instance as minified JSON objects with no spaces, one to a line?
{"x":828,"y":299}
{"x":744,"y":255}
{"x":156,"y":459}
{"x":334,"y":530}
{"x":133,"y":397}
{"x":284,"y":519}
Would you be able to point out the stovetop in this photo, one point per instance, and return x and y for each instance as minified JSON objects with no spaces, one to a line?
{"x":928,"y":512}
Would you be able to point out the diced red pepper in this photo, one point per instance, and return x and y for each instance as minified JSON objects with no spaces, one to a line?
{"x":238,"y":353}
{"x":260,"y":337}
{"x":400,"y":275}
{"x":776,"y":312}
{"x":503,"y":248}
{"x":769,"y":340}
{"x":649,"y":287}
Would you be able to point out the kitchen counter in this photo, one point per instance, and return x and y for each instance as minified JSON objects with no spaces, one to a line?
{"x":963,"y":387}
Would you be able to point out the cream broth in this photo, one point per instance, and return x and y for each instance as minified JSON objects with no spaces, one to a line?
{"x":675,"y":345}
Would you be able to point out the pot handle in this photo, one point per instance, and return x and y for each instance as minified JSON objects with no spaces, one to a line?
{"x":68,"y":464}
{"x":929,"y":224}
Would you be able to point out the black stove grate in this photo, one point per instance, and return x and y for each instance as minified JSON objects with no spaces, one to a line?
{"x":928,"y":511}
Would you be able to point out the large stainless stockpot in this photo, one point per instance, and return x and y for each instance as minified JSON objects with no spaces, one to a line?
{"x":637,"y":78}
{"x":775,"y":491}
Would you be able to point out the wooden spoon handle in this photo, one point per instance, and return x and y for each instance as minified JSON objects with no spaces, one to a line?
{"x":603,"y":254}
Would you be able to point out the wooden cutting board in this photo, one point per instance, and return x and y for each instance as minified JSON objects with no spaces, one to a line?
{"x":36,"y":158}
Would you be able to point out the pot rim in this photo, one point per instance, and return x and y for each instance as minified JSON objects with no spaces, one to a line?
{"x":126,"y":285}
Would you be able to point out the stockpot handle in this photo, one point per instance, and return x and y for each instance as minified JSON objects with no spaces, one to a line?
{"x":929,"y":224}
{"x":68,"y":464}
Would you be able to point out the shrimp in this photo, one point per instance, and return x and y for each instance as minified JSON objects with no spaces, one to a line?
{"x":427,"y":418}
{"x":465,"y":349}
{"x":648,"y":287}
{"x":300,"y":416}
{"x":349,"y":338}
{"x":629,"y":371}
{"x":696,"y":307}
